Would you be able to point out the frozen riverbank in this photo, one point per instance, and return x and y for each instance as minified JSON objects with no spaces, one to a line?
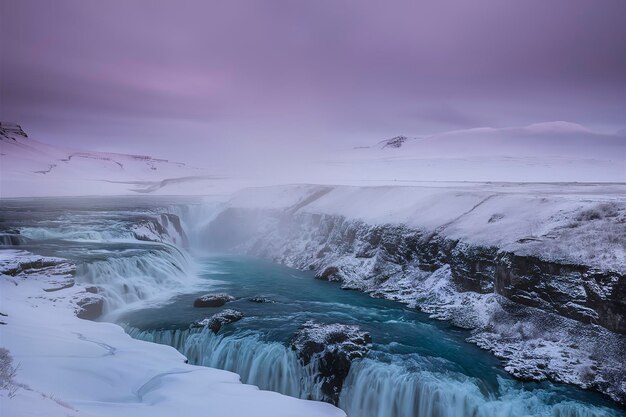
{"x":67,"y":366}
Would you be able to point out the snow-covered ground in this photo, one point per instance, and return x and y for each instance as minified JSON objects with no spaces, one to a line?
{"x":577,"y":223}
{"x":30,"y":167}
{"x":556,"y":152}
{"x":550,"y":151}
{"x":66,"y":366}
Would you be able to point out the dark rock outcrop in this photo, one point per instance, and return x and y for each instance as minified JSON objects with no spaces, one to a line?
{"x":90,"y":307}
{"x":330,"y":350}
{"x":574,"y":291}
{"x":92,"y":290}
{"x":8,"y":129}
{"x":395,"y":142}
{"x":218,"y":320}
{"x":212,"y":300}
{"x":157,"y":229}
{"x":174,"y":220}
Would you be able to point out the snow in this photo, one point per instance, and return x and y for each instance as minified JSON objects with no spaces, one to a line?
{"x":74,"y":367}
{"x":33,"y":168}
{"x":583,"y":224}
{"x":555,"y":151}
{"x":540,"y":152}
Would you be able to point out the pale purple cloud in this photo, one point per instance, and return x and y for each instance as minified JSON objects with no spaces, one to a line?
{"x":125,"y":75}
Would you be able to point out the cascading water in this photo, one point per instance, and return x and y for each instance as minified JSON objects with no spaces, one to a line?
{"x":403,"y":393}
{"x":268,"y":365}
{"x":378,"y":386}
{"x":123,"y":247}
{"x":76,"y":233}
{"x":138,"y":274}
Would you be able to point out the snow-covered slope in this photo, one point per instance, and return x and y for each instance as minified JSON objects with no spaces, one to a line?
{"x":552,"y":151}
{"x":575,"y":223}
{"x":66,"y":366}
{"x":32,"y":168}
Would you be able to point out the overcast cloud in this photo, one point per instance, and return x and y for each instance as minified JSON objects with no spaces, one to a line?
{"x":192,"y":79}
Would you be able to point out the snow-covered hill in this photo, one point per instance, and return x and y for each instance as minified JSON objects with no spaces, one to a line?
{"x":551,"y":151}
{"x":29,"y":167}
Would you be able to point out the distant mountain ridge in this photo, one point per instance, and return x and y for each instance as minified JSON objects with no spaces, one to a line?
{"x":8,"y":129}
{"x":31,"y":167}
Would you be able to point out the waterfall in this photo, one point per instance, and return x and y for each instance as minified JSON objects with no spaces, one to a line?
{"x":195,"y":219}
{"x":129,"y":272}
{"x":380,"y":389}
{"x":373,"y":388}
{"x":268,"y":365}
{"x":135,"y":275}
{"x":77,"y":233}
{"x":9,"y":239}
{"x":130,"y":256}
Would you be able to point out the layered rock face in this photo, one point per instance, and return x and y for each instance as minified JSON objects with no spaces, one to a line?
{"x":545,"y":318}
{"x":364,"y":257}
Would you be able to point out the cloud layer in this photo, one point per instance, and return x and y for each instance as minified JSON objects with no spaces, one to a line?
{"x":191,"y":79}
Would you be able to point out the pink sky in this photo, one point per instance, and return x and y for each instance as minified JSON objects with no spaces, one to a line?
{"x":183,"y":79}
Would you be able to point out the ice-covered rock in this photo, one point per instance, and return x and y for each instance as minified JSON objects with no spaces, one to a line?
{"x":90,"y":307}
{"x":164,"y":228}
{"x":9,"y":129}
{"x":218,"y":320}
{"x":329,"y":349}
{"x":213,"y":300}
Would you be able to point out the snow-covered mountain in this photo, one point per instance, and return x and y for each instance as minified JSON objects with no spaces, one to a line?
{"x":543,"y":152}
{"x":540,"y":152}
{"x":30,"y":167}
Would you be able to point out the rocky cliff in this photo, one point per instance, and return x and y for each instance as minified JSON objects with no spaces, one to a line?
{"x":545,"y":316}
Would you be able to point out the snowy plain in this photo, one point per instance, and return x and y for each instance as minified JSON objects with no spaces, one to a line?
{"x":559,"y":154}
